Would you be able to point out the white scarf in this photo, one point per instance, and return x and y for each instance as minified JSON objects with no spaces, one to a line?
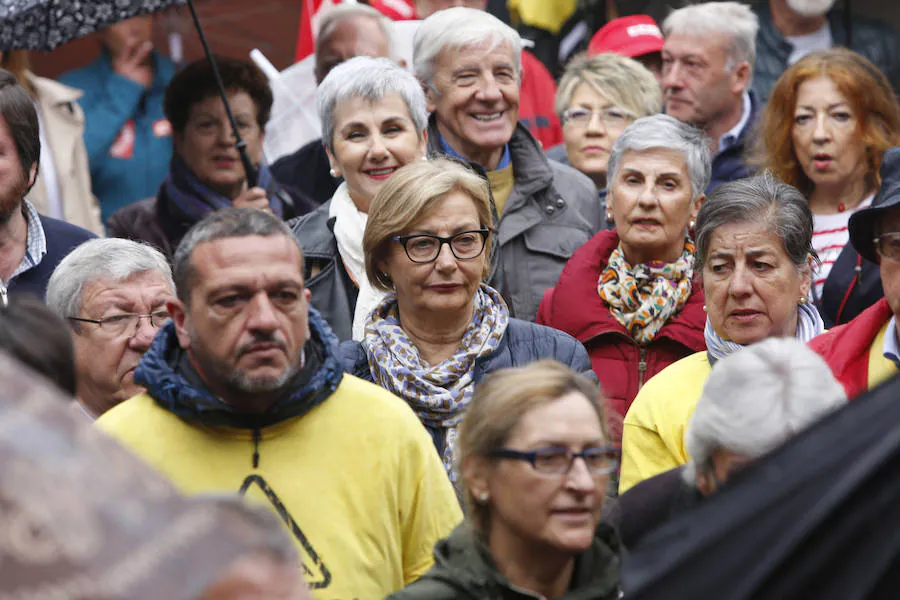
{"x":349,"y":226}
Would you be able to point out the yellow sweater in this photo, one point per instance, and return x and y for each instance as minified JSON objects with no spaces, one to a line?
{"x":653,"y":432}
{"x":502,"y":181}
{"x":360,"y":486}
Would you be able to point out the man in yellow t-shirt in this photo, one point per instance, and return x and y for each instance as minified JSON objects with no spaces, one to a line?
{"x":245,"y":394}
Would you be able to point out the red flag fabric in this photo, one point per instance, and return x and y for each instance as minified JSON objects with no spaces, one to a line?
{"x":306,"y":38}
{"x":398,"y":10}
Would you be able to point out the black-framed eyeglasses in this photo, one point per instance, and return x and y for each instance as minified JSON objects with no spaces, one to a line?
{"x":559,"y":461}
{"x":888,"y":245}
{"x":425,"y":248}
{"x":117,"y":325}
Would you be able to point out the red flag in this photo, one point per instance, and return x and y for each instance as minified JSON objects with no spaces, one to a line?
{"x":398,"y":10}
{"x":306,"y":39}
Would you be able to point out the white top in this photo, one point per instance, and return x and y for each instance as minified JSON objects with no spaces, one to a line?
{"x":805,"y":44}
{"x":830,"y":235}
{"x":48,"y":172}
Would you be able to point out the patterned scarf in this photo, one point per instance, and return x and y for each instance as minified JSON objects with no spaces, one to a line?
{"x":194,"y":200}
{"x":438,"y":394}
{"x":809,"y":325}
{"x":643,"y":298}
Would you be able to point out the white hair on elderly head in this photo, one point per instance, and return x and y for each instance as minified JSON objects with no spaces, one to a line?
{"x":457,"y":28}
{"x":664,"y":131}
{"x":734,"y":20}
{"x":331,"y":16}
{"x":110,"y":259}
{"x":370,"y":79}
{"x":757,"y":398}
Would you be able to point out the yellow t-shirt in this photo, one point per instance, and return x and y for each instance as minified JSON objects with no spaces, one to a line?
{"x":880,"y":368}
{"x":356,"y":480}
{"x":502,"y":181}
{"x":653,"y":431}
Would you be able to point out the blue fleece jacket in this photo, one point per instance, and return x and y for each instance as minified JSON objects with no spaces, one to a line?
{"x":123,"y":172}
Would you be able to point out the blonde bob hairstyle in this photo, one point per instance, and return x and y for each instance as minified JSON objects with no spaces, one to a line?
{"x":407,"y":197}
{"x":623,"y":81}
{"x":497,"y":407}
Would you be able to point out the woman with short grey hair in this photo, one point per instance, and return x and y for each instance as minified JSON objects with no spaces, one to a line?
{"x":373,"y":122}
{"x":755,"y":255}
{"x":629,"y":294}
{"x":753,"y":401}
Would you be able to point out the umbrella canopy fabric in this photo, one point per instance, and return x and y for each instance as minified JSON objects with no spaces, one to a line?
{"x":81,"y":518}
{"x":815,"y":519}
{"x":47,"y":24}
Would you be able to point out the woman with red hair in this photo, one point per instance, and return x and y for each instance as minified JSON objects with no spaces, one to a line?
{"x":830,"y":118}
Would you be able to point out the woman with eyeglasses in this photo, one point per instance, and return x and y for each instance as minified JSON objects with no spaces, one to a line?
{"x":597,"y":98}
{"x":630,"y":294}
{"x":534,"y":459}
{"x":440,"y":328}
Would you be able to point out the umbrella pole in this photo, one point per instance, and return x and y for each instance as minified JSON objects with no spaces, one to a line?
{"x":240,"y":144}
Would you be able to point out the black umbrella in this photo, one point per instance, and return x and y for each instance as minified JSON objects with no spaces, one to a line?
{"x":815,"y":519}
{"x":47,"y":24}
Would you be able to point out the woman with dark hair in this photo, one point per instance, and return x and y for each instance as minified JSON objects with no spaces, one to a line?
{"x":206,"y":172}
{"x":830,"y":118}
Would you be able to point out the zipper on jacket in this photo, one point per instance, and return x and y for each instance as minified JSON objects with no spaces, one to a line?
{"x":642,"y":366}
{"x":256,"y":436}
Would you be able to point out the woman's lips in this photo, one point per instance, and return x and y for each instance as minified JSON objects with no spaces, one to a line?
{"x":594,"y":150}
{"x":822,"y":161}
{"x":744,"y":315}
{"x":645,"y":223}
{"x":382,"y":173}
{"x":224,"y":162}
{"x":444,"y":287}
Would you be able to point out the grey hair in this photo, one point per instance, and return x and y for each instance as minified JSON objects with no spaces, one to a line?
{"x":457,"y":28}
{"x":332,"y":16}
{"x":370,"y":79}
{"x":759,"y":199}
{"x":734,"y":20}
{"x":112,"y":259}
{"x":756,"y":399}
{"x":226,"y":223}
{"x":664,"y":131}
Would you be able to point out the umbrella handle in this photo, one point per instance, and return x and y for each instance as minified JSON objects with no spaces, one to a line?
{"x":240,"y":144}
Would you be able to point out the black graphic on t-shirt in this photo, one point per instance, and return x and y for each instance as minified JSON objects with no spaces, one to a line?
{"x":316,"y":573}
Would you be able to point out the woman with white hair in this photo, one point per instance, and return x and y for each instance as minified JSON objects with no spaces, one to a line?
{"x":373,"y":122}
{"x":755,"y":255}
{"x":752,"y":402}
{"x":629,"y":294}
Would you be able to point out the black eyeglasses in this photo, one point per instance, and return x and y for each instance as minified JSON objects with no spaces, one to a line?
{"x":559,"y":461}
{"x":424,"y":248}
{"x":888,"y":245}
{"x":117,"y":325}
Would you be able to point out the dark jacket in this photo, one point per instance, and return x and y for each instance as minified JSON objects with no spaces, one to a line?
{"x":872,"y":38}
{"x":852,"y":286}
{"x":464,"y":570}
{"x":152,"y":221}
{"x":558,"y":153}
{"x":306,"y":173}
{"x":730,"y":164}
{"x":552,"y":210}
{"x":62,"y":238}
{"x":621,"y":365}
{"x":333,"y":291}
{"x":651,"y":503}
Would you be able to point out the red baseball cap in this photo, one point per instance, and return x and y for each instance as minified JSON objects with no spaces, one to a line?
{"x":629,"y":36}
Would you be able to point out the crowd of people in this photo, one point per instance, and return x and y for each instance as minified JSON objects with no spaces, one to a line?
{"x":458,"y":348}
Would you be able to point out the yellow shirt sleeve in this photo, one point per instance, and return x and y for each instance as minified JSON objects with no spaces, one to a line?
{"x":653,"y":432}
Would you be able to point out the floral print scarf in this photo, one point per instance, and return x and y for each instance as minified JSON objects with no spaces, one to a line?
{"x":438,"y":394}
{"x":643,"y":298}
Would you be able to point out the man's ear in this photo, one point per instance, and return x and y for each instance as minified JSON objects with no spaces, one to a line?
{"x":704,"y":482}
{"x":741,"y":77}
{"x":179,"y":316}
{"x":431,"y":98}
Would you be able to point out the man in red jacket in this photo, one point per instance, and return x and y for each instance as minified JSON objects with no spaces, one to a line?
{"x":866,"y":351}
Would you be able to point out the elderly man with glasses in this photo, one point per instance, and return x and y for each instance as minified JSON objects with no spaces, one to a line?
{"x":113,"y":293}
{"x":866,"y":351}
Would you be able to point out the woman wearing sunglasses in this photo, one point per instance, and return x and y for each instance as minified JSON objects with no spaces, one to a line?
{"x":440,"y":329}
{"x":534,"y":459}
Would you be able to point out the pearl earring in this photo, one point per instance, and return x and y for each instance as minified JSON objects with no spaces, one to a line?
{"x":482,"y":497}
{"x":609,"y":217}
{"x":704,"y":308}
{"x":691,"y":224}
{"x":803,"y":300}
{"x":333,"y":173}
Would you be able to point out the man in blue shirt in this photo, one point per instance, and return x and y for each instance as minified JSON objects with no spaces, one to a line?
{"x":128,"y":139}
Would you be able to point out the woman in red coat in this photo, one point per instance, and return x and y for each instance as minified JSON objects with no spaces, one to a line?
{"x":630,"y":295}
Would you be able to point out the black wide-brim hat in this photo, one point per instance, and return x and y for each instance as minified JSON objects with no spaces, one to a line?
{"x":862,"y":223}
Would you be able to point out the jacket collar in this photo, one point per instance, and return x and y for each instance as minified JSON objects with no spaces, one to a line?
{"x":53,"y":93}
{"x":159,"y":374}
{"x":315,"y":232}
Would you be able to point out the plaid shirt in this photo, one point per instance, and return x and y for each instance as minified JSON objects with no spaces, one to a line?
{"x":35,"y":246}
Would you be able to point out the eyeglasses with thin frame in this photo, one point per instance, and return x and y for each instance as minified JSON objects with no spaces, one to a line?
{"x":116,"y":325}
{"x":558,"y":461}
{"x":611,"y":117}
{"x":425,"y":248}
{"x":887,"y":245}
